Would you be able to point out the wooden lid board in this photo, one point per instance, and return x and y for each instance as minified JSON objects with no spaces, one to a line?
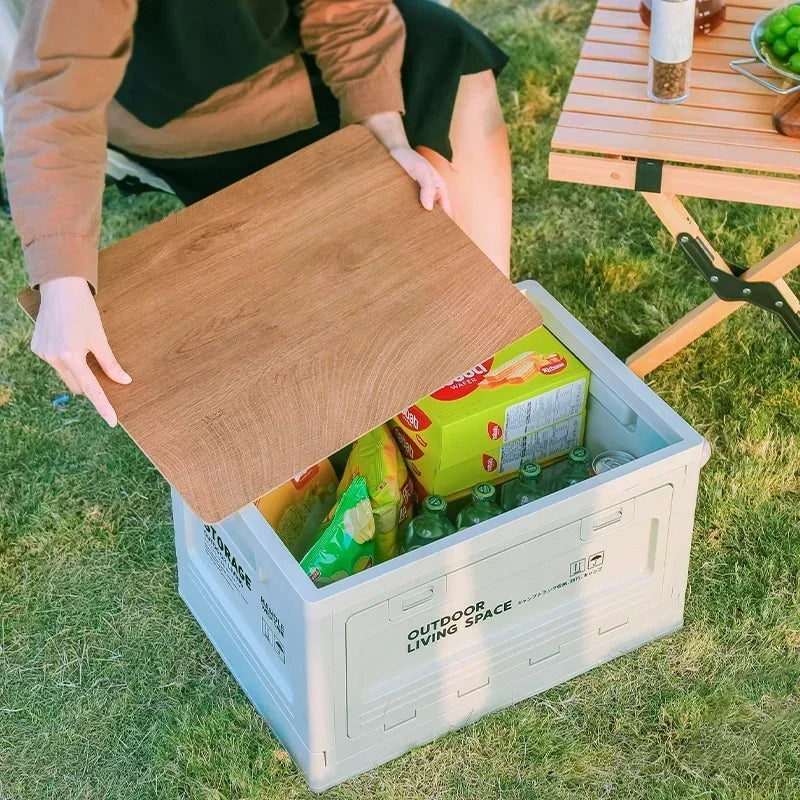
{"x":274,"y":322}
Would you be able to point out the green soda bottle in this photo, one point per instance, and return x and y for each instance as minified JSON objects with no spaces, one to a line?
{"x":526,"y":488}
{"x":430,"y":525}
{"x":483,"y":506}
{"x":578,"y":468}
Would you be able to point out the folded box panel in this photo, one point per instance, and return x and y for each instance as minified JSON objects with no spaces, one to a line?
{"x":482,"y":626}
{"x":267,"y":326}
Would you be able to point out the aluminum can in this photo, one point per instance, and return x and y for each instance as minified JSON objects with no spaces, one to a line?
{"x":610,"y":459}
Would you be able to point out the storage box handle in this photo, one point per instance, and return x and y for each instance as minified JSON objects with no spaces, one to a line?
{"x":410,"y":603}
{"x":607,"y":520}
{"x":417,"y":599}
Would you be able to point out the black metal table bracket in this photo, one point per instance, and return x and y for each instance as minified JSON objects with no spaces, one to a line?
{"x":649,"y":172}
{"x":732,"y":288}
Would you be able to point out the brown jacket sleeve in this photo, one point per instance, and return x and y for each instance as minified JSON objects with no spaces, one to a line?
{"x":359,"y":47}
{"x":69,"y":61}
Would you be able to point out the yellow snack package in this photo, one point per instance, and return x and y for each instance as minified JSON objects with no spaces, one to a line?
{"x":296,"y":509}
{"x":526,"y":402}
{"x":377,"y":458}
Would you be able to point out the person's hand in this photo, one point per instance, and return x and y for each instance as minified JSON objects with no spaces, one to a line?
{"x":432,"y":188}
{"x":387,"y":128}
{"x":68,"y":328}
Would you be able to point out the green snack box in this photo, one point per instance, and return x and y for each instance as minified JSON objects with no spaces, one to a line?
{"x":527,"y":402}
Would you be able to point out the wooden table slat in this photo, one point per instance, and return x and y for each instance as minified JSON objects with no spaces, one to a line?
{"x":675,"y":130}
{"x":698,"y":98}
{"x":631,"y":54}
{"x":714,"y":184}
{"x":743,"y":14}
{"x":756,"y":6}
{"x":733,"y":14}
{"x":692,"y":151}
{"x":733,"y":48}
{"x":630,"y":20}
{"x":730,"y":83}
{"x":734,"y":121}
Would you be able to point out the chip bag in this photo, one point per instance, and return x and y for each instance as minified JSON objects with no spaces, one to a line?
{"x":377,"y":458}
{"x":345,"y":544}
{"x":296,"y":509}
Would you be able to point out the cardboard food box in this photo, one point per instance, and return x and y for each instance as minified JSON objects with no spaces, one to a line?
{"x":526,"y":402}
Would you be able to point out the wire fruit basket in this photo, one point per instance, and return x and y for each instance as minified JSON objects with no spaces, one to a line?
{"x":741,"y":64}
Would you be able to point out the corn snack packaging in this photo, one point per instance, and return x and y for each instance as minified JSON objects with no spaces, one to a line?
{"x":377,"y":458}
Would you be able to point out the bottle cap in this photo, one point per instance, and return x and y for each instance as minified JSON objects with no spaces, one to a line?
{"x":434,"y":502}
{"x":579,"y":454}
{"x":483,"y":492}
{"x":529,"y":470}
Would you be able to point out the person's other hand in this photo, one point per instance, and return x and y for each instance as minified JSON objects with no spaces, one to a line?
{"x":387,"y":128}
{"x":68,"y":328}
{"x":432,"y":187}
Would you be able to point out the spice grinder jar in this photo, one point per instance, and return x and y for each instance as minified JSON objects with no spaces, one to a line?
{"x":671,"y":39}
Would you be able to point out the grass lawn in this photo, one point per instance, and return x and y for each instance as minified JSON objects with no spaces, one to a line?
{"x":108,"y":689}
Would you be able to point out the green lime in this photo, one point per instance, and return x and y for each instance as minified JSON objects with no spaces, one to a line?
{"x":769,"y":36}
{"x":779,"y":24}
{"x":794,"y":63}
{"x":792,"y":37}
{"x":793,"y":13}
{"x":781,"y":49}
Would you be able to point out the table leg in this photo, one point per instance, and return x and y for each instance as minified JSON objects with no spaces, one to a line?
{"x":771,"y":268}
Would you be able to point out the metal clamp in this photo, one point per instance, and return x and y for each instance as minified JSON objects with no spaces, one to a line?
{"x":731,"y":287}
{"x":739,"y":65}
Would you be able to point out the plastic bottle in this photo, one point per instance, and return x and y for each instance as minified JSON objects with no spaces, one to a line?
{"x":525,"y":488}
{"x":578,"y":468}
{"x":482,"y":506}
{"x":430,"y":525}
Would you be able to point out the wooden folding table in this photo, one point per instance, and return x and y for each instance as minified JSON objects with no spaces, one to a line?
{"x":719,"y":144}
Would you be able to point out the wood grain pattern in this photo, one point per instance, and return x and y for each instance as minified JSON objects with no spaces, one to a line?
{"x":633,"y":54}
{"x":673,"y":149}
{"x":274,"y":322}
{"x":757,"y":7}
{"x":709,"y":99}
{"x":675,"y":130}
{"x":687,"y":116}
{"x":728,"y":83}
{"x":731,"y":28}
{"x":714,"y":44}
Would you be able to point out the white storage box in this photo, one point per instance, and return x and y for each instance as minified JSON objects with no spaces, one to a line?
{"x":276,"y":321}
{"x":356,"y":673}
